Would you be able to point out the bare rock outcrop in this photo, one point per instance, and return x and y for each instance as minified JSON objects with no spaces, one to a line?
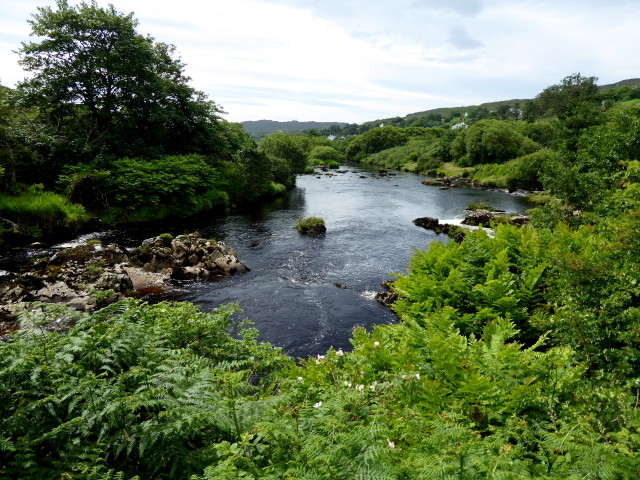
{"x":92,"y":275}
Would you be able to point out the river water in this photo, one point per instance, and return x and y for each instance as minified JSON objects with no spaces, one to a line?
{"x":290,"y":293}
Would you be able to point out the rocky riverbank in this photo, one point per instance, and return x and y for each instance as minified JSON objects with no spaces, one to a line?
{"x":93,"y":275}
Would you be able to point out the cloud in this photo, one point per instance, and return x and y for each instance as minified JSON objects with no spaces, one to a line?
{"x":357,"y":61}
{"x":460,"y":38}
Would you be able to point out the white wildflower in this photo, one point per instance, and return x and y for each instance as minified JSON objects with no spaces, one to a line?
{"x":339,"y":352}
{"x":359,"y":388}
{"x":418,"y":376}
{"x":300,"y":379}
{"x":317,"y":405}
{"x":347,"y":384}
{"x":376,"y":344}
{"x":372,"y":387}
{"x":390,"y":444}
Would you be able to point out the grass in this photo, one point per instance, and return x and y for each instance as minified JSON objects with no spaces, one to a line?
{"x":40,"y":207}
{"x":473,"y":206}
{"x":311,"y":225}
{"x":448,"y":169}
{"x":36,"y":214}
{"x":539,"y":198}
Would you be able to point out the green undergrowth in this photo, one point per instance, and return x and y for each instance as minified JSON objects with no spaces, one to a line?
{"x":37,"y":213}
{"x":516,"y":356}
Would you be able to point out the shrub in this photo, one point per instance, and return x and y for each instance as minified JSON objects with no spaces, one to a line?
{"x":152,"y":189}
{"x":324,"y":154}
{"x":275,"y":189}
{"x":490,"y":141}
{"x":311,"y":225}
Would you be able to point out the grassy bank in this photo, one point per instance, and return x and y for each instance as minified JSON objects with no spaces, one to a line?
{"x":37,"y":214}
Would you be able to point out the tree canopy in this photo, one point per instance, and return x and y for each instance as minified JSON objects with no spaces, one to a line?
{"x":109,"y":89}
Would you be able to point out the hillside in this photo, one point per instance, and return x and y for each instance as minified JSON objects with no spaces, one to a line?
{"x":259,"y":128}
{"x":631,"y":82}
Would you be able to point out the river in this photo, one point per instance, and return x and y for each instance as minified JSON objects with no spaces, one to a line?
{"x":290,"y":293}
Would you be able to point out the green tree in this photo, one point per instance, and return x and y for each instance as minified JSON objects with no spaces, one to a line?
{"x":375,"y":140}
{"x":490,"y":141}
{"x":286,"y":155}
{"x":103,"y":87}
{"x":562,"y":99}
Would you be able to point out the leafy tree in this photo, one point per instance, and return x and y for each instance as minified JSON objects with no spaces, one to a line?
{"x":375,"y":140}
{"x":490,"y":141}
{"x":583,"y":176}
{"x":103,"y":87}
{"x":19,"y":136}
{"x":286,"y":155}
{"x":561,"y":100}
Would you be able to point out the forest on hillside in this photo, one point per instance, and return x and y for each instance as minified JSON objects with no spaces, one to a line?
{"x":517,"y":350}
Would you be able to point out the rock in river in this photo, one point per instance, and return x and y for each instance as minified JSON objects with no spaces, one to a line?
{"x":92,"y":275}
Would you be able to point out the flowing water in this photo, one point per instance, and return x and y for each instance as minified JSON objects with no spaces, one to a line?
{"x":290,"y":293}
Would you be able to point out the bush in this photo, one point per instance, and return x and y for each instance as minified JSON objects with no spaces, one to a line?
{"x":275,"y":189}
{"x":527,"y":170}
{"x":311,"y":225}
{"x":490,"y":141}
{"x":138,"y":189}
{"x":324,"y":154}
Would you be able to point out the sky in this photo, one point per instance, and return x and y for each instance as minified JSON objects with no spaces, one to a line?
{"x":356,"y":61}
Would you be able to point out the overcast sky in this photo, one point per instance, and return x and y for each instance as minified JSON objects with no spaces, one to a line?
{"x":355,"y":60}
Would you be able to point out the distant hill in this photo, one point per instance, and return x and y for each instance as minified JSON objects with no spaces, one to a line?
{"x":260,"y":128}
{"x":447,"y":111}
{"x":631,"y":82}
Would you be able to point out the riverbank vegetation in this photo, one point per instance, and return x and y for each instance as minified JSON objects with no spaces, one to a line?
{"x":565,"y":130}
{"x":516,"y":355}
{"x":133,"y":143}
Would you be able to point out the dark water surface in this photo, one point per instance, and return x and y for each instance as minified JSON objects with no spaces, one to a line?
{"x":290,"y":292}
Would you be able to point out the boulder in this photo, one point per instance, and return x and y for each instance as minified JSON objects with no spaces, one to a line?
{"x":455,"y":232}
{"x":479,"y":217}
{"x":92,"y":275}
{"x":519,"y":220}
{"x":387,"y":298}
{"x":429,"y":223}
{"x":144,"y":281}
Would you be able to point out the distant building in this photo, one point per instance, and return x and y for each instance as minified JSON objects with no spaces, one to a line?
{"x":458,"y":126}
